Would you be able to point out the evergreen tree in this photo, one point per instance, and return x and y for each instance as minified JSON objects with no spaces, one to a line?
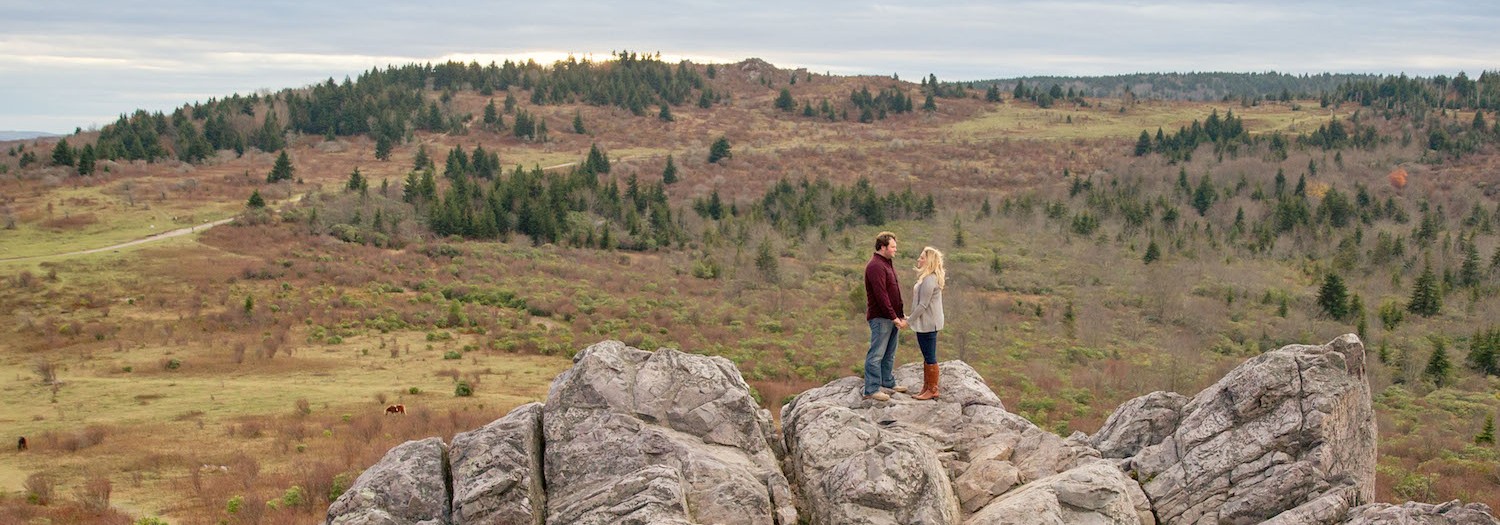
{"x":766,"y":263}
{"x":382,"y":147}
{"x":1152,"y":253}
{"x":669,"y":174}
{"x":1426,"y":297}
{"x":256,"y":201}
{"x":1468,"y":271}
{"x":282,"y":170}
{"x":992,"y":94}
{"x":422,"y":161}
{"x":719,"y":151}
{"x":62,"y":155}
{"x":578,"y":124}
{"x":1487,"y":434}
{"x":930,"y":105}
{"x":597,"y":162}
{"x":1438,"y":369}
{"x":665,"y":114}
{"x":86,"y":160}
{"x":1143,"y":144}
{"x":1484,"y":351}
{"x":1333,"y":297}
{"x":357,"y":182}
{"x":1479,"y":121}
{"x":1204,"y":196}
{"x":491,"y":115}
{"x":784,"y":101}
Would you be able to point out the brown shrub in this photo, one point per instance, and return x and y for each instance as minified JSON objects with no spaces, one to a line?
{"x":40,"y":488}
{"x":70,"y":222}
{"x":93,"y":494}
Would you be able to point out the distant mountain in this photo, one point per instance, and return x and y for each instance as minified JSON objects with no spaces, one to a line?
{"x":25,"y":135}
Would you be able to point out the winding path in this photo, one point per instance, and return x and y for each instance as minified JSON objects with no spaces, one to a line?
{"x":151,"y":238}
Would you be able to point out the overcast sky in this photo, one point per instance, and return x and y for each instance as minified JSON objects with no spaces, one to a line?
{"x":83,"y":63}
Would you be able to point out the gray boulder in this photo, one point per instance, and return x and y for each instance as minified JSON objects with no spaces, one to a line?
{"x":407,"y":487}
{"x":658,"y":437}
{"x":1413,"y":513}
{"x":1139,"y":423}
{"x":908,"y":461}
{"x":497,"y":471}
{"x":1281,"y":430}
{"x":1095,"y":493}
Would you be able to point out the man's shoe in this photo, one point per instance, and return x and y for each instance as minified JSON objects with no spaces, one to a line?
{"x":879,"y":396}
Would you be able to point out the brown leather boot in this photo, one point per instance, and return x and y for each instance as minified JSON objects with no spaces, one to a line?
{"x":929,"y":383}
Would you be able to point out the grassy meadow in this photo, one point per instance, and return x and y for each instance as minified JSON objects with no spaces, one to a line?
{"x":239,"y":374}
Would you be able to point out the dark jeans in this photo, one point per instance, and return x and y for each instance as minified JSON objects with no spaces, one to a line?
{"x":881,"y":358}
{"x":927,"y":341}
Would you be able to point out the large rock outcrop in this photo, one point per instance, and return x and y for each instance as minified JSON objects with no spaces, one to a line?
{"x":944,"y":461}
{"x":634,"y":437}
{"x":1290,"y":427}
{"x":663,"y":436}
{"x":408,"y":486}
{"x":497,"y":470}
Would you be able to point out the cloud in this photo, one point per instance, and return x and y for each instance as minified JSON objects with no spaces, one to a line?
{"x":103,"y":58}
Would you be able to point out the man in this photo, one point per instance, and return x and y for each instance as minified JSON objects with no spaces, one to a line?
{"x":883,"y":311}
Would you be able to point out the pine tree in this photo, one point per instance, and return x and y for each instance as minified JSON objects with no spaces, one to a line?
{"x":719,"y":151}
{"x":1143,"y":144}
{"x":1333,"y":297}
{"x":491,"y":115}
{"x":1487,"y":434}
{"x":930,"y":105}
{"x":665,"y":114}
{"x":282,"y":170}
{"x":357,"y":182}
{"x":1152,"y":253}
{"x":1468,"y":271}
{"x":1204,"y":196}
{"x":86,"y":160}
{"x":62,"y":155}
{"x":422,"y":160}
{"x":256,"y":201}
{"x":669,"y":173}
{"x":765,"y":262}
{"x":578,"y":124}
{"x":1438,"y":369}
{"x":1426,"y":297}
{"x":382,"y":147}
{"x":1484,"y":352}
{"x":784,"y":101}
{"x":597,"y":162}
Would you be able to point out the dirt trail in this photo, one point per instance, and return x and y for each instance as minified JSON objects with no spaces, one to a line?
{"x":152,"y":238}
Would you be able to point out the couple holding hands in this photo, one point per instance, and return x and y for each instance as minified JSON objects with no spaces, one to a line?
{"x":883,"y":311}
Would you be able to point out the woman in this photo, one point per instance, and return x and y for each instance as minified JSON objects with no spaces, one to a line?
{"x":926,"y":318}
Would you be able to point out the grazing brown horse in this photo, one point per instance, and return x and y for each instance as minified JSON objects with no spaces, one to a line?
{"x":396,"y":409}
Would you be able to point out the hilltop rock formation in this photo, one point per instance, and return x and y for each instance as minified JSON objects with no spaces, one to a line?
{"x":628,"y":436}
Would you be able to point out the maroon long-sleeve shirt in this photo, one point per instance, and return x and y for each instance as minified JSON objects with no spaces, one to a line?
{"x":882,"y":290}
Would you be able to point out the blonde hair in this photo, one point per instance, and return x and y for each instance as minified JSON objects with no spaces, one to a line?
{"x":934,"y":266}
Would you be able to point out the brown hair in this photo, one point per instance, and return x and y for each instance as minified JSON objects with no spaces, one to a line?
{"x":883,"y":239}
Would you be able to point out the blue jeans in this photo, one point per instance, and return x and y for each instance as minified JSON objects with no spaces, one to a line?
{"x":927,"y":341}
{"x":881,"y":358}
